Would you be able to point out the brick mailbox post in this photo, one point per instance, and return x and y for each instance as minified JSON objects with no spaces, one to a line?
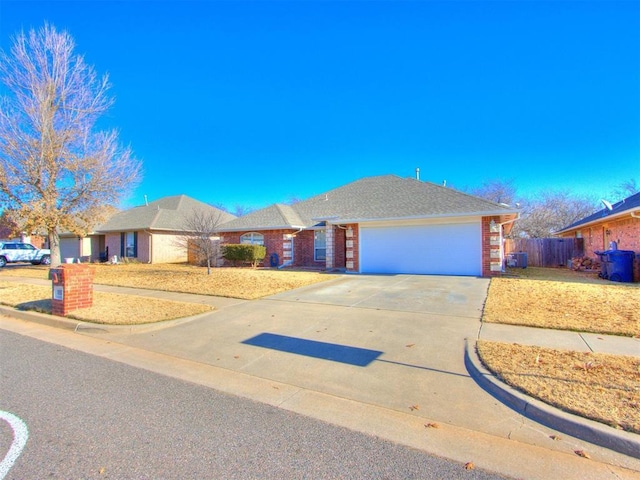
{"x":72,"y":288}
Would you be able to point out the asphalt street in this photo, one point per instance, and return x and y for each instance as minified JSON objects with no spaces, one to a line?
{"x":90,"y":417}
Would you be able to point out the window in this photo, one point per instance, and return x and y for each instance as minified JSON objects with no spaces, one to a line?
{"x":320,"y":245}
{"x":129,"y":244}
{"x":252,"y":238}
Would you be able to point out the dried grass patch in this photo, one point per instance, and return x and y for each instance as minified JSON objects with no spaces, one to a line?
{"x":107,"y":309}
{"x":244,"y":283}
{"x":602,"y":387}
{"x":565,"y":305}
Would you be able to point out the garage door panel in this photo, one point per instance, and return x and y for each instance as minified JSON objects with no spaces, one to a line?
{"x":451,"y":249}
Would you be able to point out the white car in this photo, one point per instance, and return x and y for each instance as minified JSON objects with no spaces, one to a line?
{"x":11,"y":252}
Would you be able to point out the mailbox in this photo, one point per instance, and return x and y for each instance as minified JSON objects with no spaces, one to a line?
{"x":71,"y":287}
{"x":57,"y":275}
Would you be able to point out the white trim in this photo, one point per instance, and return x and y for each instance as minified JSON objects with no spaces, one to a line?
{"x":315,"y":249}
{"x":251,"y":242}
{"x":453,"y":216}
{"x":615,"y":216}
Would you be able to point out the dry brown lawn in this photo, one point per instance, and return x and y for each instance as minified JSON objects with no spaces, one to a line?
{"x":115,"y":309}
{"x":244,"y":283}
{"x":605,"y":388}
{"x":601,"y":387}
{"x":565,"y":300}
{"x":107,"y":309}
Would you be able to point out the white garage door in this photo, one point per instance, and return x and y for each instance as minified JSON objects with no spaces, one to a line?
{"x":451,"y":249}
{"x":69,"y":248}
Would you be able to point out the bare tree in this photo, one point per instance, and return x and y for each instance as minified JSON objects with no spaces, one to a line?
{"x":497,"y":190}
{"x":200,"y":236}
{"x":56,"y":171}
{"x":551,"y":211}
{"x":625,"y":189}
{"x":238,"y":209}
{"x":291,"y":199}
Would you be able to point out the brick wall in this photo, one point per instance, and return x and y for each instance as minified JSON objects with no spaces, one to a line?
{"x":167,"y":247}
{"x":112,"y":242}
{"x":339,"y":248}
{"x":491,"y":247}
{"x":625,"y":232}
{"x":273,"y":241}
{"x":72,"y":288}
{"x":352,"y":248}
{"x":304,"y":247}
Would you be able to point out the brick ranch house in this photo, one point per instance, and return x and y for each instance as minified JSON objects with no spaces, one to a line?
{"x":149,"y":233}
{"x":620,"y":224}
{"x":382,"y":224}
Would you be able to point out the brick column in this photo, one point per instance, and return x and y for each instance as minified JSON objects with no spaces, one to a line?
{"x":330,"y":247}
{"x":491,"y":247}
{"x":72,"y":288}
{"x":352,"y":248}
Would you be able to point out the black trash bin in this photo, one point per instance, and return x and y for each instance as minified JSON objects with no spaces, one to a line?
{"x":620,"y":265}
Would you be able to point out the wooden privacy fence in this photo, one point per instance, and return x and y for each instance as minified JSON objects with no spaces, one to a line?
{"x":546,"y":252}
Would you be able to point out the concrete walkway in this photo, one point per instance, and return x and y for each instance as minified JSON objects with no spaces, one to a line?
{"x":361,"y":355}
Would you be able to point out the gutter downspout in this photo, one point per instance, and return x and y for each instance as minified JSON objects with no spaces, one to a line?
{"x":510,"y":221}
{"x":290,"y":262}
{"x":502,"y":254}
{"x":635,"y":214}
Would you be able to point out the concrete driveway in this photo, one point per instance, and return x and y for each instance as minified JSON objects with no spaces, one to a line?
{"x":440,"y":295}
{"x":391,"y":341}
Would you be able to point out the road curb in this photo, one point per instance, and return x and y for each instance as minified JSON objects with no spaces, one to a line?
{"x":79,"y":326}
{"x":42,"y":318}
{"x":574,"y":425}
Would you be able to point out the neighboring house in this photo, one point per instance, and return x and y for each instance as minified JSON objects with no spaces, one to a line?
{"x":150,"y":233}
{"x":382,"y":224}
{"x":620,"y":224}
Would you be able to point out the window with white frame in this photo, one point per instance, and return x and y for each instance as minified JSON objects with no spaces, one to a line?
{"x":320,"y":245}
{"x":252,"y":238}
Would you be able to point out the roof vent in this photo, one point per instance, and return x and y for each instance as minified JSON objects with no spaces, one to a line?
{"x":417,"y":173}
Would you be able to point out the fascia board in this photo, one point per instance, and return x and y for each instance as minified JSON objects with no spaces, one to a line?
{"x":263,"y":229}
{"x":604,"y":219}
{"x":423,"y":217}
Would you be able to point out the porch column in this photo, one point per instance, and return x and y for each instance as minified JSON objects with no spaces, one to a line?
{"x":330,"y":247}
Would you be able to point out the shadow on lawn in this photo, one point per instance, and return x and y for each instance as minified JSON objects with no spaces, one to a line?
{"x":41,"y":306}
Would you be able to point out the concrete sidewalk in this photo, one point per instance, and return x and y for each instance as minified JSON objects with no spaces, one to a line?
{"x":408,"y":368}
{"x":560,"y":339}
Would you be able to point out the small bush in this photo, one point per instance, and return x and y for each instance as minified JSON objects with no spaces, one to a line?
{"x":244,"y":253}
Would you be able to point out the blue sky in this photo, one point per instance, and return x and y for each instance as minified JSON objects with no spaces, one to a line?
{"x":252,"y":103}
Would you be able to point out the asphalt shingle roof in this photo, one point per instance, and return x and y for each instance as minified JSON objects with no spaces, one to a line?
{"x":167,"y":213}
{"x":627,"y":204}
{"x":371,"y":198}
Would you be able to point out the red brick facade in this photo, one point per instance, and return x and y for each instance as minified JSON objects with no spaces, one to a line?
{"x":346,"y":247}
{"x":352,"y":248}
{"x":491,"y":247}
{"x":72,"y":288}
{"x":624,"y":231}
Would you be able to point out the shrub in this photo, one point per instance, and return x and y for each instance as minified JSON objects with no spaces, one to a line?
{"x":244,"y":253}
